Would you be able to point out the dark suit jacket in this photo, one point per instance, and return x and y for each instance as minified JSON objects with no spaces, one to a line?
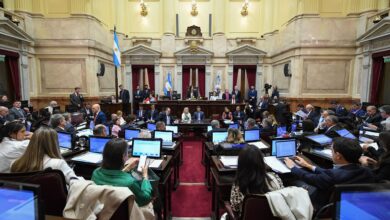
{"x":153,"y":116}
{"x":383,"y":171}
{"x":263,"y":105}
{"x":85,"y":114}
{"x":3,"y":120}
{"x":144,"y":114}
{"x":237,"y":117}
{"x":100,"y":118}
{"x":238,"y":95}
{"x":76,"y":100}
{"x":145,"y":93}
{"x":224,"y":96}
{"x":331,"y":132}
{"x":138,"y":96}
{"x":375,"y":120}
{"x":197,"y":115}
{"x":15,"y":114}
{"x":252,"y":95}
{"x":163,"y":117}
{"x":125,"y":96}
{"x":312,"y":116}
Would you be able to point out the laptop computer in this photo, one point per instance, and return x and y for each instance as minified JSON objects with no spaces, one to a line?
{"x":235,"y":125}
{"x":286,"y":147}
{"x":20,"y":201}
{"x":131,"y":133}
{"x":252,"y":135}
{"x":320,"y":139}
{"x":219,"y":136}
{"x":173,"y":128}
{"x":96,"y":147}
{"x":65,"y":142}
{"x":345,"y":133}
{"x":166,"y":136}
{"x":281,"y":130}
{"x":151,"y":126}
{"x":362,"y":201}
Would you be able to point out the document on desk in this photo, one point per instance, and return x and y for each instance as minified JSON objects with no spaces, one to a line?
{"x":370,"y":133}
{"x":229,"y":161}
{"x":374,"y":145}
{"x":301,"y":114}
{"x":155,"y":163}
{"x":169,"y":146}
{"x":259,"y":145}
{"x":276,"y":165}
{"x":228,"y":121}
{"x":86,"y":132}
{"x":89,"y":157}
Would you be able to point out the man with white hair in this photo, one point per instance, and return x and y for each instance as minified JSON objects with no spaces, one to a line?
{"x":51,"y":106}
{"x":237,"y":94}
{"x":98,"y":116}
{"x":311,"y":114}
{"x":3,"y":115}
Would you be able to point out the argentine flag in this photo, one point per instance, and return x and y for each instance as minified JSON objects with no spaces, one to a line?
{"x":168,"y":84}
{"x":116,"y":53}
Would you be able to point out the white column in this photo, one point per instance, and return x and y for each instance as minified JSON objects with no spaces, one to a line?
{"x":366,"y":78}
{"x":229,"y":77}
{"x":24,"y":77}
{"x":179,"y":77}
{"x":259,"y":80}
{"x":157,"y":74}
{"x":128,"y":81}
{"x":208,"y":80}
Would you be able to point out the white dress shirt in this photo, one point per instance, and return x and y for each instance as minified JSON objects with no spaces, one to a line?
{"x":59,"y":164}
{"x":10,"y":150}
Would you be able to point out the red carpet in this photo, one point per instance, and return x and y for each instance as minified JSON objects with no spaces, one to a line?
{"x":192,"y":171}
{"x":191,"y":200}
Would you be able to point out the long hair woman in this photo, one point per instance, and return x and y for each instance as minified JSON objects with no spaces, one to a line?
{"x":42,"y":153}
{"x":14,"y":142}
{"x":251,"y":177}
{"x":234,"y":136}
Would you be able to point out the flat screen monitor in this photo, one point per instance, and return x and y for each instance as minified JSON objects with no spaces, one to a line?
{"x":108,"y":130}
{"x":131,"y":133}
{"x":233,"y":126}
{"x":173,"y":128}
{"x":281,"y":130}
{"x":219,"y":136}
{"x":252,"y":135}
{"x":286,"y":147}
{"x":166,"y":136}
{"x":91,"y":125}
{"x":151,"y":126}
{"x":148,"y":147}
{"x":320,"y":139}
{"x":20,"y":201}
{"x":345,"y":133}
{"x":64,"y":140}
{"x":362,"y":201}
{"x":209,"y":128}
{"x":97,"y":144}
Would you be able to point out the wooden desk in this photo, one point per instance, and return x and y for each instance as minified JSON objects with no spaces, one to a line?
{"x":198,"y":127}
{"x":318,"y":158}
{"x":207,"y":106}
{"x":114,"y":107}
{"x":176,"y":153}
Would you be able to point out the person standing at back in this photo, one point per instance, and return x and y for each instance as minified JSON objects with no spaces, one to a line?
{"x":76,"y":99}
{"x":124,"y":95}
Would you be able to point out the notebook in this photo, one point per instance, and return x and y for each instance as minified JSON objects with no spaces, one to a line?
{"x":131,"y":133}
{"x":147,"y":147}
{"x":96,"y":147}
{"x":229,"y":161}
{"x":166,"y":136}
{"x":252,"y":135}
{"x":65,"y":142}
{"x":219,"y":136}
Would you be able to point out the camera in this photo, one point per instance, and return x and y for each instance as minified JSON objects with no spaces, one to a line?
{"x":267,"y":87}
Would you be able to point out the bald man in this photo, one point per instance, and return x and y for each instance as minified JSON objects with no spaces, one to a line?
{"x":3,"y":115}
{"x":98,"y":116}
{"x":373,"y":117}
{"x":311,"y":114}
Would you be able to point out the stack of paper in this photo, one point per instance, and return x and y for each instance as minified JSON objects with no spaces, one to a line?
{"x":86,"y":132}
{"x":276,"y":165}
{"x":259,"y":145}
{"x":89,"y":157}
{"x":228,"y":122}
{"x":229,"y":161}
{"x":374,"y":145}
{"x":155,"y":164}
{"x":370,"y":133}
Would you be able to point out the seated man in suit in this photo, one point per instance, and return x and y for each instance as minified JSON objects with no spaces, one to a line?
{"x":263,"y":104}
{"x":226,"y":95}
{"x":16,"y":112}
{"x":87,"y":111}
{"x":152,"y":115}
{"x":385,"y":123}
{"x":215,"y":127}
{"x":99,"y":116}
{"x":141,"y":113}
{"x":321,"y":125}
{"x":311,"y":114}
{"x":198,"y":114}
{"x":58,"y":122}
{"x":3,"y":115}
{"x":338,"y":109}
{"x":356,"y":111}
{"x":100,"y":131}
{"x":320,"y":182}
{"x":373,"y":117}
{"x":238,"y":115}
{"x":250,"y":124}
{"x":331,"y":126}
{"x":166,"y":117}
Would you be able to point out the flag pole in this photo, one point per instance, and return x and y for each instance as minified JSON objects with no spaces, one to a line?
{"x":116,"y":78}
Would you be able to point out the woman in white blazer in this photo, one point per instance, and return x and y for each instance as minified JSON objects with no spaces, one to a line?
{"x":186,"y":116}
{"x":42,"y":153}
{"x":14,"y":141}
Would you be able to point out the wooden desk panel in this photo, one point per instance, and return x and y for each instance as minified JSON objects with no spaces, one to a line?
{"x":208,"y":107}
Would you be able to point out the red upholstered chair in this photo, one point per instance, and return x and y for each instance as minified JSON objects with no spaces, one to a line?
{"x":254,"y":207}
{"x":53,"y":188}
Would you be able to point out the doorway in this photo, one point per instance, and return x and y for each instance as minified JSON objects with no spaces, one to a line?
{"x":384,"y":85}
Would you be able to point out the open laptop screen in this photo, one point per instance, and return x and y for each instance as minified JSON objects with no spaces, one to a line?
{"x":233,"y":126}
{"x":151,"y":127}
{"x":96,"y":144}
{"x":345,"y":133}
{"x":252,"y":135}
{"x":131,"y":133}
{"x":320,"y":139}
{"x":64,"y":140}
{"x":166,"y":136}
{"x":19,"y":202}
{"x":284,"y":147}
{"x":281,"y":131}
{"x":219,"y":136}
{"x":173,"y":128}
{"x":148,"y":147}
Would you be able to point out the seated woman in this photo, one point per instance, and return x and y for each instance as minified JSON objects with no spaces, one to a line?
{"x":14,"y":142}
{"x":42,"y":153}
{"x":214,"y":96}
{"x":116,"y":127}
{"x":251,"y":177}
{"x":186,"y":116}
{"x":227,"y":114}
{"x":115,"y":168}
{"x":234,"y":136}
{"x":120,"y":117}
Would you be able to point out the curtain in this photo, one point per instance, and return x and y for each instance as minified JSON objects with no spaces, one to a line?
{"x":135,"y":73}
{"x":185,"y":81}
{"x":377,"y":74}
{"x":12,"y":60}
{"x":186,"y":78}
{"x":250,"y":75}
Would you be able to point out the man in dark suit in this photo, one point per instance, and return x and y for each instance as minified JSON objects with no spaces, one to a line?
{"x":99,"y":116}
{"x":373,"y":117}
{"x":263,"y":104}
{"x":87,"y":111}
{"x":16,"y":112}
{"x":124,"y":95}
{"x":166,"y":117}
{"x":237,"y":94}
{"x":252,"y":96}
{"x":76,"y":99}
{"x":198,"y":114}
{"x":3,"y":115}
{"x":238,"y":115}
{"x":141,"y":113}
{"x":138,"y":95}
{"x":58,"y":122}
{"x":226,"y":95}
{"x":338,"y":109}
{"x":331,"y":122}
{"x":320,"y":182}
{"x":146,"y":92}
{"x":311,"y":114}
{"x":152,"y":114}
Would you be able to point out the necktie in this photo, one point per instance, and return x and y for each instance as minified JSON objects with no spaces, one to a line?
{"x":198,"y":116}
{"x":168,"y":120}
{"x":140,"y":114}
{"x":239,"y":114}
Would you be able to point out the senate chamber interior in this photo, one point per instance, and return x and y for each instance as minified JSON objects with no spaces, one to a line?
{"x":194,"y":109}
